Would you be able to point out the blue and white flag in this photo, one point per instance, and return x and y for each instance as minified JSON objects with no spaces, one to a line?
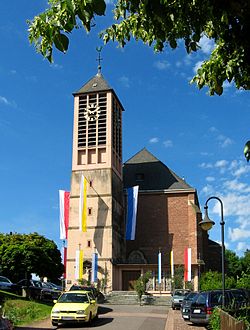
{"x":131,"y":212}
{"x":159,"y":267}
{"x":94,"y":268}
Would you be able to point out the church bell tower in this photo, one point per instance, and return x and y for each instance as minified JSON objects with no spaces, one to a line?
{"x":97,"y":156}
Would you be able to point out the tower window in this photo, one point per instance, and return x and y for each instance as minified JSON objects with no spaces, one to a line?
{"x":89,"y":210}
{"x":88,"y":244}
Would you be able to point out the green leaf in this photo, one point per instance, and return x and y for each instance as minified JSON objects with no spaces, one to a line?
{"x":61,"y":42}
{"x":99,"y":7}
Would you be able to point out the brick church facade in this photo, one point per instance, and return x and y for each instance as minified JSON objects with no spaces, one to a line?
{"x":168,"y":209}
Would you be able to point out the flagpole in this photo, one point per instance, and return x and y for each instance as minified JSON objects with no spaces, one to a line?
{"x":159,"y":269}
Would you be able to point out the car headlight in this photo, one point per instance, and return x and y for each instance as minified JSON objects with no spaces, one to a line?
{"x":82,"y":311}
{"x":55,"y":311}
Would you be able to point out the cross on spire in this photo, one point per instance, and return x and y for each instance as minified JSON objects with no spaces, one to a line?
{"x":99,"y":59}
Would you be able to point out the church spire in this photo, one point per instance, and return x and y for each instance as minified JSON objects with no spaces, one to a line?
{"x":99,"y":59}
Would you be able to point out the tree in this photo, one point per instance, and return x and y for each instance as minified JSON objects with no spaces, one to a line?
{"x":233,"y":264}
{"x":160,"y":23}
{"x":213,"y":280}
{"x":24,"y":254}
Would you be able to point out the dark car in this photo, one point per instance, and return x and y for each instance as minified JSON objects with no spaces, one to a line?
{"x":186,"y":304}
{"x":37,"y":290}
{"x":203,"y":305}
{"x":30,"y":288}
{"x":7,"y":285}
{"x":94,"y":291}
{"x":177,"y":297}
{"x":49,"y":292}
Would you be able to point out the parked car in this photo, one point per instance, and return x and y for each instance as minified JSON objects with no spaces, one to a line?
{"x":203,"y":305}
{"x":49,"y":292}
{"x":186,"y":304}
{"x":7,"y":285}
{"x":177,"y":297}
{"x":94,"y":291}
{"x":74,"y":307}
{"x":32,"y":288}
{"x":37,"y":290}
{"x":55,"y":286}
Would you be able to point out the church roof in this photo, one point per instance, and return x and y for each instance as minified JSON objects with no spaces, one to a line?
{"x":95,"y":84}
{"x":145,"y":170}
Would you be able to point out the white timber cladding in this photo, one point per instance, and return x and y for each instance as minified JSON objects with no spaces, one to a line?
{"x":92,"y":132}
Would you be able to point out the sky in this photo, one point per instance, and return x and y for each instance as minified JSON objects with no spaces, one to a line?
{"x":200,"y":137}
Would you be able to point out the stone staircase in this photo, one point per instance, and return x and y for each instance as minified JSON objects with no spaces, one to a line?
{"x":130,"y":298}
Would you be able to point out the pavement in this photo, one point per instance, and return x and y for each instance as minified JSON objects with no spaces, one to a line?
{"x":156,"y":317}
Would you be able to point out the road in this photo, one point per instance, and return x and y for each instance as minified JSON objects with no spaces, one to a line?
{"x":128,"y":317}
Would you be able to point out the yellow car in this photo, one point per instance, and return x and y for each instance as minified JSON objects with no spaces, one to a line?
{"x":74,"y":306}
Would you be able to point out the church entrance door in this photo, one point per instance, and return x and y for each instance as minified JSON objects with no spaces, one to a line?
{"x":129,"y":278}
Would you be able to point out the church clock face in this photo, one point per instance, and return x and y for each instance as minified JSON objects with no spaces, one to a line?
{"x":92,"y":112}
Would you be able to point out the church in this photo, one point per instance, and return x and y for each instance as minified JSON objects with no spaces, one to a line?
{"x":168,"y":209}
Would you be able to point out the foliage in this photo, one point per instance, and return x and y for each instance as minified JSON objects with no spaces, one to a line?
{"x":140,"y":285}
{"x":244,"y":280}
{"x":160,"y":24}
{"x":178,"y":277}
{"x":214,"y":322}
{"x":24,"y":312}
{"x":24,"y":254}
{"x":213,"y":280}
{"x":233,"y":264}
{"x":189,"y":285}
{"x":245,"y":260}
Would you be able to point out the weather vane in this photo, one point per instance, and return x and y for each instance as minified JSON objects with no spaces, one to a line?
{"x":99,"y":59}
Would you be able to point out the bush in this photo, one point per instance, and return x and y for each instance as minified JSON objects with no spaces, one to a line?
{"x":140,"y":285}
{"x":214,"y":322}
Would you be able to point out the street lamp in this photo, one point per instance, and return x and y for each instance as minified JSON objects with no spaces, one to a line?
{"x":206,"y":224}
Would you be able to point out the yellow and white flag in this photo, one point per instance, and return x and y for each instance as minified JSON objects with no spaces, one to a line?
{"x":79,"y":265}
{"x":83,"y":205}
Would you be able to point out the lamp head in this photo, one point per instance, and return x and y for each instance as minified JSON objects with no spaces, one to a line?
{"x":206,"y":224}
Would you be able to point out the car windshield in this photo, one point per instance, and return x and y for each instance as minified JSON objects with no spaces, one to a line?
{"x":190,"y":296}
{"x":73,"y":298}
{"x":179,"y":293}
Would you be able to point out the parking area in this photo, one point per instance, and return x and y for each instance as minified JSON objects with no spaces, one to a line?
{"x":176,"y":322}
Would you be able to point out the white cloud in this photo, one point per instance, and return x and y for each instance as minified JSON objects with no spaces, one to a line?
{"x":206,"y":44}
{"x":154,"y":140}
{"x":5,"y":101}
{"x":206,"y":165}
{"x":242,"y":246}
{"x":241,"y":170}
{"x":125,"y":81}
{"x":234,"y":185}
{"x":221,"y":163}
{"x":207,"y":190}
{"x":161,"y":65}
{"x":168,"y":143}
{"x":236,"y":234}
{"x":210,"y":178}
{"x":224,"y":141}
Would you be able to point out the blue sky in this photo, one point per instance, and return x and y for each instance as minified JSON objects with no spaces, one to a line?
{"x":199,"y":137}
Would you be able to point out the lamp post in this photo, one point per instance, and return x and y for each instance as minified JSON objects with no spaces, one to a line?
{"x":206,"y":224}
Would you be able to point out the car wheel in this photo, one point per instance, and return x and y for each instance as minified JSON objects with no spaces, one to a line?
{"x":55,"y":324}
{"x":173,"y":307}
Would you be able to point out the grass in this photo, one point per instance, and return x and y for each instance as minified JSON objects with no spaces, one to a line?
{"x":22,"y":311}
